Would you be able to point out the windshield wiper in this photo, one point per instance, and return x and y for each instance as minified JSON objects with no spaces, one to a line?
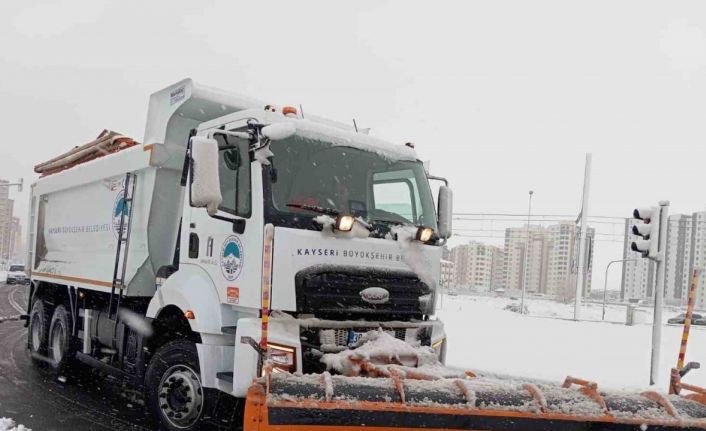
{"x":316,"y":209}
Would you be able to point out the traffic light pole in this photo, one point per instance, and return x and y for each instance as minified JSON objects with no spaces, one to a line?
{"x":659,"y":291}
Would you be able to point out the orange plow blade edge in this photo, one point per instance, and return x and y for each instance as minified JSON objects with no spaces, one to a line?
{"x":282,"y":401}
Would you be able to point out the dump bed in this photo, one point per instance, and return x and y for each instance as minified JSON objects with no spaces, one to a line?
{"x":77,"y":214}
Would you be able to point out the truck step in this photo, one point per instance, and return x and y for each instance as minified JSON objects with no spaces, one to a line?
{"x":229,"y":329}
{"x":225,"y":375}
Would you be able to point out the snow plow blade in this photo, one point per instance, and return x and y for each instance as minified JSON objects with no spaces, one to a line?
{"x":282,"y":401}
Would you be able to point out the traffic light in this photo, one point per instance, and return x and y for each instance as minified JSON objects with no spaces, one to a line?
{"x":648,"y":229}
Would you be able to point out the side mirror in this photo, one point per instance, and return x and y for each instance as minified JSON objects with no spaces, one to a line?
{"x":279,"y":131}
{"x":445,"y":210}
{"x":206,"y":185}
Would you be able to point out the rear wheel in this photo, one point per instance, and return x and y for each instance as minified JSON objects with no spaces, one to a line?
{"x":175,"y":395}
{"x":38,"y":330}
{"x":59,"y":348}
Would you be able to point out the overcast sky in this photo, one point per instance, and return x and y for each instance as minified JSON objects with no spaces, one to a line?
{"x":500,"y":96}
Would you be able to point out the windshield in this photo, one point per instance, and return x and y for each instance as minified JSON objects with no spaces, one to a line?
{"x":17,"y":268}
{"x":311,"y":173}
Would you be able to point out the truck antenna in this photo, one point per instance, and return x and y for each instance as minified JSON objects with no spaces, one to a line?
{"x":355,"y":126}
{"x":301,"y":109}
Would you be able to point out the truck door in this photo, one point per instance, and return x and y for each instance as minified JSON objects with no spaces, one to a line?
{"x":229,"y":246}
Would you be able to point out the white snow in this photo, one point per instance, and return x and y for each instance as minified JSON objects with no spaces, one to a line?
{"x":206,"y":189}
{"x":483,"y":336}
{"x":279,"y":131}
{"x":326,"y":221}
{"x":263,"y":154}
{"x":382,"y":348}
{"x":338,"y":137}
{"x":413,"y":255}
{"x":328,"y":385}
{"x":7,"y":424}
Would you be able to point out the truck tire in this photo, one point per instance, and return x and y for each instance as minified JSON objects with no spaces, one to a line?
{"x":38,"y":331}
{"x":174,"y":394}
{"x":59,"y":346}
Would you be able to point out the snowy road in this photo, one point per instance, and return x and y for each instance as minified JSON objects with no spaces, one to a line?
{"x":35,"y":399}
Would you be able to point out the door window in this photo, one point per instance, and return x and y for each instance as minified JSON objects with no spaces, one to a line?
{"x":234,"y":173}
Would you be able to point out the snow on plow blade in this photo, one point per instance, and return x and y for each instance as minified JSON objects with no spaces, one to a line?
{"x":281,"y":401}
{"x":386,"y":384}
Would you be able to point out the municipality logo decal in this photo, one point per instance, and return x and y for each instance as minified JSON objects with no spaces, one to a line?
{"x":232,"y":258}
{"x":120,"y":207}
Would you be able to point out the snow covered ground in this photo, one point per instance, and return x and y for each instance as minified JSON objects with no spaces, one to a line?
{"x":482,"y":336}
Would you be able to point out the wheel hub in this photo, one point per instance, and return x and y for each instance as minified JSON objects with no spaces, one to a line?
{"x":181,"y":396}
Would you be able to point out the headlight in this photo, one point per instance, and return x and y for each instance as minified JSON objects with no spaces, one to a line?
{"x":283,"y":358}
{"x":344,"y":223}
{"x":424,"y":234}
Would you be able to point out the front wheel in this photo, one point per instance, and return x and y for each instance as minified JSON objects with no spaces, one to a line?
{"x":174,"y":392}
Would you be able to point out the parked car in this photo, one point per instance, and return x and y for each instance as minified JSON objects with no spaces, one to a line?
{"x":16,"y":275}
{"x":700,"y":322}
{"x":679,"y":319}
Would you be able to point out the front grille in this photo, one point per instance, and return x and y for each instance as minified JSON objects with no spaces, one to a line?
{"x":340,"y":337}
{"x":334,"y":293}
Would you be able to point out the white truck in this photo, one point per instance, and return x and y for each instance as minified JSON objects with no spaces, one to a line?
{"x":239,"y":232}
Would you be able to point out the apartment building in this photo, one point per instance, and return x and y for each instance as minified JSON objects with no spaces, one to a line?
{"x":446,"y":277}
{"x":497,"y":271}
{"x":515,"y":252}
{"x":677,"y":259}
{"x":552,"y":259}
{"x":697,"y":258}
{"x":17,"y":251}
{"x":7,"y":230}
{"x":473,"y":265}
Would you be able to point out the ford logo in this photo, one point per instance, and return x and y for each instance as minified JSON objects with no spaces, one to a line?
{"x":375,"y":295}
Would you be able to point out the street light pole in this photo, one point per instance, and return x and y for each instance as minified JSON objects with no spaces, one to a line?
{"x":527,"y":247}
{"x":605,"y":285}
